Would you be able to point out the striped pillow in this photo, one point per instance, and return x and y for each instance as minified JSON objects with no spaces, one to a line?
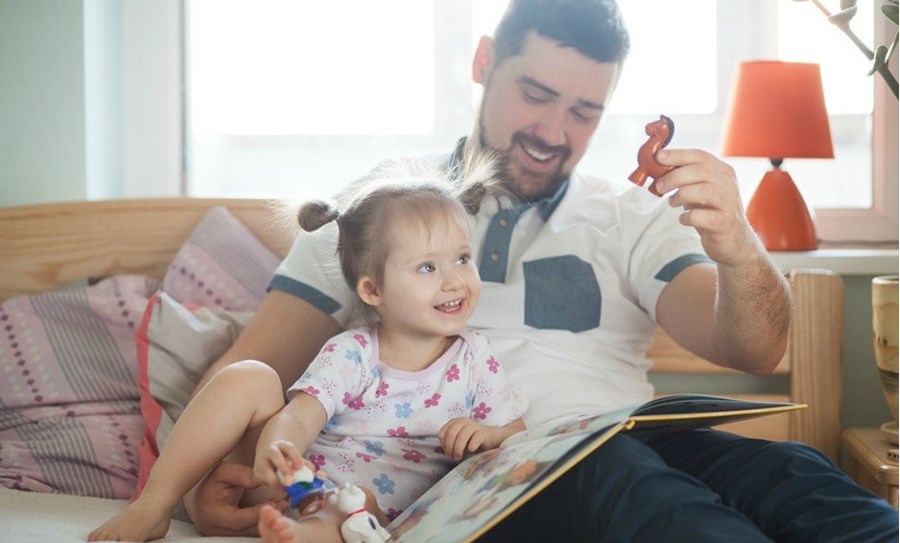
{"x":70,"y":417}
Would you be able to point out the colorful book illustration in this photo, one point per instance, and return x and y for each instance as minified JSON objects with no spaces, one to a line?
{"x":485,"y":488}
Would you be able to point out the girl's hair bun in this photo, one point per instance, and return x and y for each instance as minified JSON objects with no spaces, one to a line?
{"x":315,"y":214}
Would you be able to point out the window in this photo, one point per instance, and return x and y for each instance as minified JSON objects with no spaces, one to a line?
{"x":297,"y":99}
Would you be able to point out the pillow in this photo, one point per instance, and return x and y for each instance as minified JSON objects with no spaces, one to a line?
{"x":69,"y":400}
{"x":222,"y":264}
{"x":176,"y":344}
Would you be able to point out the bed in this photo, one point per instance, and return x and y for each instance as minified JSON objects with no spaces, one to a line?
{"x":98,"y":301}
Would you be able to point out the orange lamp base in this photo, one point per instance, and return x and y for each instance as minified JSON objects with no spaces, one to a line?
{"x":779,"y":215}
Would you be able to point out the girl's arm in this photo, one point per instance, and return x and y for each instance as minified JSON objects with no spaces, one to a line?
{"x":287,"y":436}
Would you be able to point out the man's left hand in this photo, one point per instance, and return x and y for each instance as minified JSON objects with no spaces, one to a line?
{"x":707,"y":190}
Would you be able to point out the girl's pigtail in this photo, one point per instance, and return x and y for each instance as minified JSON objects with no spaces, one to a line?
{"x":478,"y":178}
{"x":472,"y":195}
{"x":315,"y":214}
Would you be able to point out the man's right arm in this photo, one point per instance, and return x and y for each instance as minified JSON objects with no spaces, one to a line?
{"x":285,"y":333}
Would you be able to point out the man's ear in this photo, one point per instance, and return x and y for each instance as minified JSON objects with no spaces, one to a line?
{"x":368,"y":291}
{"x":481,"y":63}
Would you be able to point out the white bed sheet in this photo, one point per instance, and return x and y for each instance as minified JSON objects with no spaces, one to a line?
{"x":33,"y":517}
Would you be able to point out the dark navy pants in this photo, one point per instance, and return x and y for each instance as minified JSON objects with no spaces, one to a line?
{"x":702,"y":486}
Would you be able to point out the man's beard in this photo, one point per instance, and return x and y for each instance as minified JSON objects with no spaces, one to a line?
{"x":542,"y":185}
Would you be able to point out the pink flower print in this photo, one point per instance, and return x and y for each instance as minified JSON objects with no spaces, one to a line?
{"x":353,"y":403}
{"x":361,"y":339}
{"x":347,"y":464}
{"x":433,"y":401}
{"x":453,"y":373}
{"x":318,"y":460}
{"x":439,"y":449}
{"x":493,"y":364}
{"x":382,"y":389}
{"x":481,"y":411}
{"x":329,"y":348}
{"x":399,"y":432}
{"x":393,"y":513}
{"x":365,"y":457}
{"x":413,"y":455}
{"x":312,"y":391}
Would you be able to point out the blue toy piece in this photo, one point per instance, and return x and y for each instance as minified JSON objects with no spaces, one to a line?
{"x":302,"y":483}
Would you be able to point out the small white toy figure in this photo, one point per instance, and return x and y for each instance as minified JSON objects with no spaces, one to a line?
{"x":360,"y":525}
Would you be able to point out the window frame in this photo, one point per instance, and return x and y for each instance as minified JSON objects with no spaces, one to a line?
{"x":155,"y":161}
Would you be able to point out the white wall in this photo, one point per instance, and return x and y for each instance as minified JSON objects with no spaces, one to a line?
{"x":42,"y":94}
{"x":82,"y":87}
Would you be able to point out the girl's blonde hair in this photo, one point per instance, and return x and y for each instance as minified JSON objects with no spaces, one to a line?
{"x":393,"y":191}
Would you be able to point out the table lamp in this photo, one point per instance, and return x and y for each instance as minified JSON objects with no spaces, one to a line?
{"x":777,"y":111}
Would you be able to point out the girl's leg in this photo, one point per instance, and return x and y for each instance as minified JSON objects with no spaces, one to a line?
{"x":231,"y":408}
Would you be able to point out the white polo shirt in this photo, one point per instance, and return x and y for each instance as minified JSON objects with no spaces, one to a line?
{"x":570,"y":286}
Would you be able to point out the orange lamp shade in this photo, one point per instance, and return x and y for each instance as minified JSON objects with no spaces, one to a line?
{"x":777,"y":111}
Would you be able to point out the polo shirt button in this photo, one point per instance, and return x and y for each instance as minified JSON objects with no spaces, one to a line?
{"x":502,"y":221}
{"x":495,"y":257}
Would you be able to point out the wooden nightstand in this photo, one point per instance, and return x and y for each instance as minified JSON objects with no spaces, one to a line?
{"x":869,"y":465}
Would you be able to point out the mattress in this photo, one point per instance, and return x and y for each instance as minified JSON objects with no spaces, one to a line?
{"x":34,"y":517}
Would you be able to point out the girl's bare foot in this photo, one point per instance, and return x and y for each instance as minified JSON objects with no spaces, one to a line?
{"x":139,"y":521}
{"x":320,"y":523}
{"x":275,"y":527}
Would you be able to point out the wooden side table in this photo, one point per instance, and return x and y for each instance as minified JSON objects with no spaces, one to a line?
{"x":870,"y":465}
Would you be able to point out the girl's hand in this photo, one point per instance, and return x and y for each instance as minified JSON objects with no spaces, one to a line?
{"x":278,"y":457}
{"x":462,"y":434}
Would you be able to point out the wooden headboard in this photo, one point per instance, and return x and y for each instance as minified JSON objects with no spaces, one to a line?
{"x":45,"y":246}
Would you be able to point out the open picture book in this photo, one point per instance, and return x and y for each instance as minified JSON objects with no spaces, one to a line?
{"x":485,"y":488}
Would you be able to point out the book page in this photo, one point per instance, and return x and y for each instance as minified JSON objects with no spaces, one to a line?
{"x":584,"y":425}
{"x":485,"y":488}
{"x":463,"y":503}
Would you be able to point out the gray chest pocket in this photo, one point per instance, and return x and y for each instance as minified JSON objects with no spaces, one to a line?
{"x":561,"y":293}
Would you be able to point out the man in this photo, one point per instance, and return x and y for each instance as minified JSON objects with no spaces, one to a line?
{"x":577,"y":273}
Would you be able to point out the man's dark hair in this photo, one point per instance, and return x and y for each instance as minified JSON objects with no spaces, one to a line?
{"x":594,"y":28}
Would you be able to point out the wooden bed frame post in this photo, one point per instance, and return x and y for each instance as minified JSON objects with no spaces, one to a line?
{"x":815,"y":349}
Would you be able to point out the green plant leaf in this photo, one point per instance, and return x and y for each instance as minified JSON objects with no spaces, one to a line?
{"x":890,"y":12}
